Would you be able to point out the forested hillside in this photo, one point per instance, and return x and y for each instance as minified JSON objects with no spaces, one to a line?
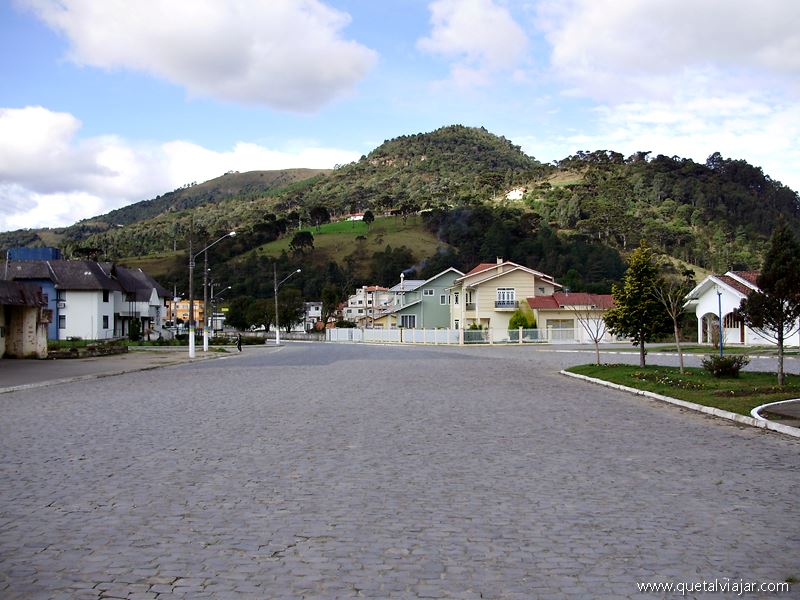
{"x":716,"y":215}
{"x":575,"y":220}
{"x":257,"y":187}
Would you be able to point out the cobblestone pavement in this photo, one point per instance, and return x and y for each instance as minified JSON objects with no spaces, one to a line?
{"x":327,"y":471}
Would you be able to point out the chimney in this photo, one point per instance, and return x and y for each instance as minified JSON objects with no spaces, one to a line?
{"x":499,"y":260}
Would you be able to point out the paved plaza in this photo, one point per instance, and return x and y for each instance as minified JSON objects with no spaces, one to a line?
{"x":324,"y":471}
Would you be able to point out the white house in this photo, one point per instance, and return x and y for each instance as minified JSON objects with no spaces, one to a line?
{"x":312,"y":314}
{"x":369,"y":300}
{"x":722,"y":294}
{"x":93,"y":300}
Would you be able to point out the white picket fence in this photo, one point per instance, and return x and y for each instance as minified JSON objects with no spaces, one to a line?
{"x":454,"y":336}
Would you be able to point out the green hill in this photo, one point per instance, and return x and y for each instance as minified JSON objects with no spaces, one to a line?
{"x":446,"y":192}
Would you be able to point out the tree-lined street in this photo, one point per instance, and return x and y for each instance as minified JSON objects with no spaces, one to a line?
{"x":322,"y":470}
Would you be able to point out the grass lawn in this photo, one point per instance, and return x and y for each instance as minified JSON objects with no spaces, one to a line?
{"x":738,"y":395}
{"x":747,"y":350}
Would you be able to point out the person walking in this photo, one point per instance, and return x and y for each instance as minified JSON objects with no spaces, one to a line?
{"x":239,"y":342}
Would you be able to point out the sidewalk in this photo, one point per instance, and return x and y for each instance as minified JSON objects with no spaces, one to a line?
{"x":29,"y":373}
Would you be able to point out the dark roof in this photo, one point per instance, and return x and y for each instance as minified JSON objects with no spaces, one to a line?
{"x":87,"y":275}
{"x":136,"y":281}
{"x":65,"y":274}
{"x":16,"y":293}
{"x":561,"y":300}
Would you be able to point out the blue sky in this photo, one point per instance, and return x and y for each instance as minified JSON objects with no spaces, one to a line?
{"x":108,"y":103}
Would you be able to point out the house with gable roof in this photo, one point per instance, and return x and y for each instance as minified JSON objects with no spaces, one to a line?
{"x":93,"y":300}
{"x":558,"y":314}
{"x":489,"y":294}
{"x":424,"y":304}
{"x":723,"y":294}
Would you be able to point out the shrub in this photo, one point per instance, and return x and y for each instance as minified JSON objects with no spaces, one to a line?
{"x":725,"y":366}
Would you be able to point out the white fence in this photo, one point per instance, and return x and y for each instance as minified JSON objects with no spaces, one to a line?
{"x":456,"y":336}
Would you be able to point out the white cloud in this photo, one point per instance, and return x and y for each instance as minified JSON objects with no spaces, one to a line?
{"x":620,"y":49}
{"x":286,"y":54}
{"x":479,"y":36}
{"x":49,"y":178}
{"x":752,"y":128}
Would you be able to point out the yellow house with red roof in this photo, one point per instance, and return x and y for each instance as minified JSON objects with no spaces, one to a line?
{"x":489,"y":294}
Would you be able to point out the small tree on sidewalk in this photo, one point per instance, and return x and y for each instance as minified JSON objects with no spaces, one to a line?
{"x":773,"y":312}
{"x":595,"y":326}
{"x":637,"y":314}
{"x":671,"y":292}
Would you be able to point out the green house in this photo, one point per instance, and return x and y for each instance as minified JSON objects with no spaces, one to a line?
{"x":427,"y":306}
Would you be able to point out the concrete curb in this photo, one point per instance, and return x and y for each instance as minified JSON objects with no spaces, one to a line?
{"x":755,"y":412}
{"x":708,"y":410}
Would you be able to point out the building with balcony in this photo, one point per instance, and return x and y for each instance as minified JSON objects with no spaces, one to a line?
{"x":93,"y":300}
{"x":489,"y":294}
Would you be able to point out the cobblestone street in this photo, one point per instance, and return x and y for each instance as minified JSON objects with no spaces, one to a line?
{"x":328,"y":471}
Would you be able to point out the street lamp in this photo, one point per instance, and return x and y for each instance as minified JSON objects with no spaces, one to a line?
{"x":719,"y":301}
{"x":192,"y":258}
{"x":211,"y":300}
{"x":277,"y":285}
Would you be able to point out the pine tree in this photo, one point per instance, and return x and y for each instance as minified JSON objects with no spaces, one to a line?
{"x":637,"y":313}
{"x":774,"y":310}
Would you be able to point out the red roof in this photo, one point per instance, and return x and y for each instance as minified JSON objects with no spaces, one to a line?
{"x":561,"y":299}
{"x":480,"y":267}
{"x":750,"y":276}
{"x":737,"y":285}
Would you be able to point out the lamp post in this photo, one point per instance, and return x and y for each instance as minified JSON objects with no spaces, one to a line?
{"x":192,"y":257}
{"x":213,"y":304}
{"x":719,"y":305}
{"x":277,"y":285}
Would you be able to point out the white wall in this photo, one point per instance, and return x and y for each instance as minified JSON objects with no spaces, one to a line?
{"x":84,"y":311}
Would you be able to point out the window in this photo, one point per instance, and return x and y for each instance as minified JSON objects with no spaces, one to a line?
{"x":506,"y":298}
{"x":429,"y":292}
{"x":408,"y":321}
{"x":105,"y":321}
{"x":61,"y":295}
{"x":455,"y":299}
{"x":444,"y":299}
{"x":469,"y":297}
{"x":541,"y":290}
{"x":105,"y":296}
{"x":730,"y":321}
{"x":456,"y":323}
{"x":62,"y":321}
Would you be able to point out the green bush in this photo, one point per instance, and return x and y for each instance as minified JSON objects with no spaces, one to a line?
{"x":135,"y":331}
{"x":725,"y":366}
{"x":522,"y":318}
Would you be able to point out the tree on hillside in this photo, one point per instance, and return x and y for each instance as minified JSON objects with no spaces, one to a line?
{"x":671,"y":292}
{"x":369,"y":218}
{"x":319,"y":215}
{"x":302,"y":240}
{"x":773,"y":312}
{"x":637,"y":313}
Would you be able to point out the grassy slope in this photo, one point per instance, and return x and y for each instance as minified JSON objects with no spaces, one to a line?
{"x":739,"y":395}
{"x":337,"y":240}
{"x":156,"y":265}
